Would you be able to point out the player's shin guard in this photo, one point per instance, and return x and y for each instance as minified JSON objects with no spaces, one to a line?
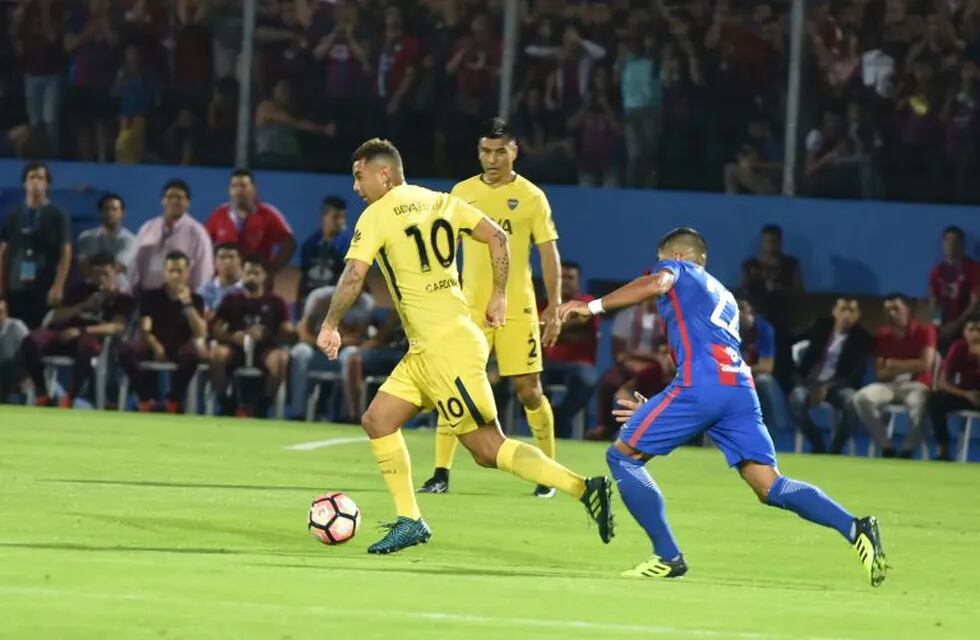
{"x":810,"y":503}
{"x":542,"y":424}
{"x":529,"y":463}
{"x":391,"y":454}
{"x":642,"y":497}
{"x":445,"y":447}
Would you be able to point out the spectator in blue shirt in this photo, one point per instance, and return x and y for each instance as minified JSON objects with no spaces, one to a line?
{"x":227,"y":279}
{"x":322,"y":254}
{"x":759,"y":352}
{"x":642,"y":110}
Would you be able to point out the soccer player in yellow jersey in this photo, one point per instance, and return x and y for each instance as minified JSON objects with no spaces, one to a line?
{"x":523,"y":212}
{"x":412,"y":232}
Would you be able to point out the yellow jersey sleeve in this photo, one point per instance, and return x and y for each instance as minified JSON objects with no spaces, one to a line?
{"x":542,"y":225}
{"x":366,"y":242}
{"x":466,"y":215}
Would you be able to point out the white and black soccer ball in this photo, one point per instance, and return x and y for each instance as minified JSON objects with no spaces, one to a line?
{"x":334,"y":518}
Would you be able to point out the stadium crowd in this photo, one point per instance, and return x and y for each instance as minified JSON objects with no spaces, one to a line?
{"x":677,"y":94}
{"x":203,"y":300}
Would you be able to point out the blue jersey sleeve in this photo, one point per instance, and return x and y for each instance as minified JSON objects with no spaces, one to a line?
{"x":767,"y":339}
{"x":673,"y":266}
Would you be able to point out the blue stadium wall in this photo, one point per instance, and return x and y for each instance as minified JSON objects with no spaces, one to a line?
{"x":858,"y":247}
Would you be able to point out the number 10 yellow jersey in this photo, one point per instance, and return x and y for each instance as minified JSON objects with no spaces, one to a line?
{"x":412,"y":232}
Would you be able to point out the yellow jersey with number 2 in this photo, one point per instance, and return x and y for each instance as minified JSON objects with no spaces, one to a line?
{"x":523,"y":211}
{"x":412,"y":233}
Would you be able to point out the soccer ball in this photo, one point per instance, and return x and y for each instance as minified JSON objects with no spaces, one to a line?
{"x":334,"y":518}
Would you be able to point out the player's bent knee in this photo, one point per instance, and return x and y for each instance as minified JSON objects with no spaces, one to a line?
{"x":485,"y":459}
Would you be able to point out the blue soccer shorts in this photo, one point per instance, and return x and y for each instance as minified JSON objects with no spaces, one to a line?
{"x":729,"y":414}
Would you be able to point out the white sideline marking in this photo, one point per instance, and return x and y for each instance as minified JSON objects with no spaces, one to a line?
{"x":319,"y":444}
{"x":432,"y":616}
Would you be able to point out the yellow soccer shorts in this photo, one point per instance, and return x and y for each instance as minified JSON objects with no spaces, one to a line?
{"x":451,"y":378}
{"x":516,"y":345}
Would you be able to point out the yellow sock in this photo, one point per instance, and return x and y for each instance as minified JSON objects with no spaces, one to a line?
{"x":396,"y":469}
{"x":445,"y":446}
{"x":529,"y":463}
{"x":542,"y":423}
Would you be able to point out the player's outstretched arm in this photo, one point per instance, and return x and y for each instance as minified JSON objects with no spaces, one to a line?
{"x":489,"y":232}
{"x":348,"y":289}
{"x":632,"y":293}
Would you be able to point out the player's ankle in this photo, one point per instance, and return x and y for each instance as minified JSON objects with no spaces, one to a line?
{"x":441,"y":473}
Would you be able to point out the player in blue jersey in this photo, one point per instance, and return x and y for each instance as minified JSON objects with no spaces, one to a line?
{"x":714,"y":393}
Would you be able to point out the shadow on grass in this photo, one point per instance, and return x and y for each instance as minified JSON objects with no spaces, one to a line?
{"x":450,"y":571}
{"x":194,"y":485}
{"x":238,"y":487}
{"x":216,"y":551}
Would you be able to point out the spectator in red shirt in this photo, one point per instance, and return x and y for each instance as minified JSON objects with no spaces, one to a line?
{"x":398,"y":64}
{"x":264,"y":317}
{"x":256,"y":227}
{"x":958,"y":387}
{"x":636,"y":336}
{"x":571,"y":361}
{"x":905,"y":351}
{"x":172,"y":328}
{"x":90,"y":311}
{"x":93,"y":44}
{"x":652,"y":379}
{"x":954,"y":287}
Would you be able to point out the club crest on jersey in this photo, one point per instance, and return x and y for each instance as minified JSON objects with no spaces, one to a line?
{"x":512,"y":203}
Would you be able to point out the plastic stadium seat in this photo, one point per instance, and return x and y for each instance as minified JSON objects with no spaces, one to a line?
{"x":970,"y":419}
{"x":317,"y":378}
{"x":190,"y":400}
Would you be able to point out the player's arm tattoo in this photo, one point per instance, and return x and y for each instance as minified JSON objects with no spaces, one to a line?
{"x":348,"y":289}
{"x":489,"y":233}
{"x":500,"y":260}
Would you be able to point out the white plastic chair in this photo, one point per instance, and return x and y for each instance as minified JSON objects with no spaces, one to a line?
{"x":894,"y":410}
{"x":252,"y":372}
{"x":969,"y":419}
{"x":798,"y":350}
{"x":190,"y":399}
{"x":315,"y":380}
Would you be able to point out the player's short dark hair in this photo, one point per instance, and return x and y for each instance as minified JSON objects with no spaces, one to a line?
{"x":973,"y":318}
{"x":102,"y":259}
{"x":570,"y":264}
{"x":242,"y":173}
{"x":177,"y":255}
{"x":176,"y":183}
{"x":898,"y":295}
{"x":33,"y":166}
{"x":255,"y":259}
{"x":956,"y":231}
{"x":334,"y":202}
{"x":681,"y":232}
{"x":227,"y":246}
{"x":377,"y":148}
{"x":496,"y":129}
{"x":104,"y":200}
{"x":772,"y":230}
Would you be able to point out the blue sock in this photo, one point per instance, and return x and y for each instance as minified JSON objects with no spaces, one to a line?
{"x":643,"y":499}
{"x":810,"y":503}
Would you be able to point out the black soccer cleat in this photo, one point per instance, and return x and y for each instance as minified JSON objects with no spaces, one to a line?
{"x":598,"y":503}
{"x":867,"y":544}
{"x":544,"y":491}
{"x":435,"y":484}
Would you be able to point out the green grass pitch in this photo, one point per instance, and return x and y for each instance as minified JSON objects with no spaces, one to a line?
{"x":125,"y":526}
